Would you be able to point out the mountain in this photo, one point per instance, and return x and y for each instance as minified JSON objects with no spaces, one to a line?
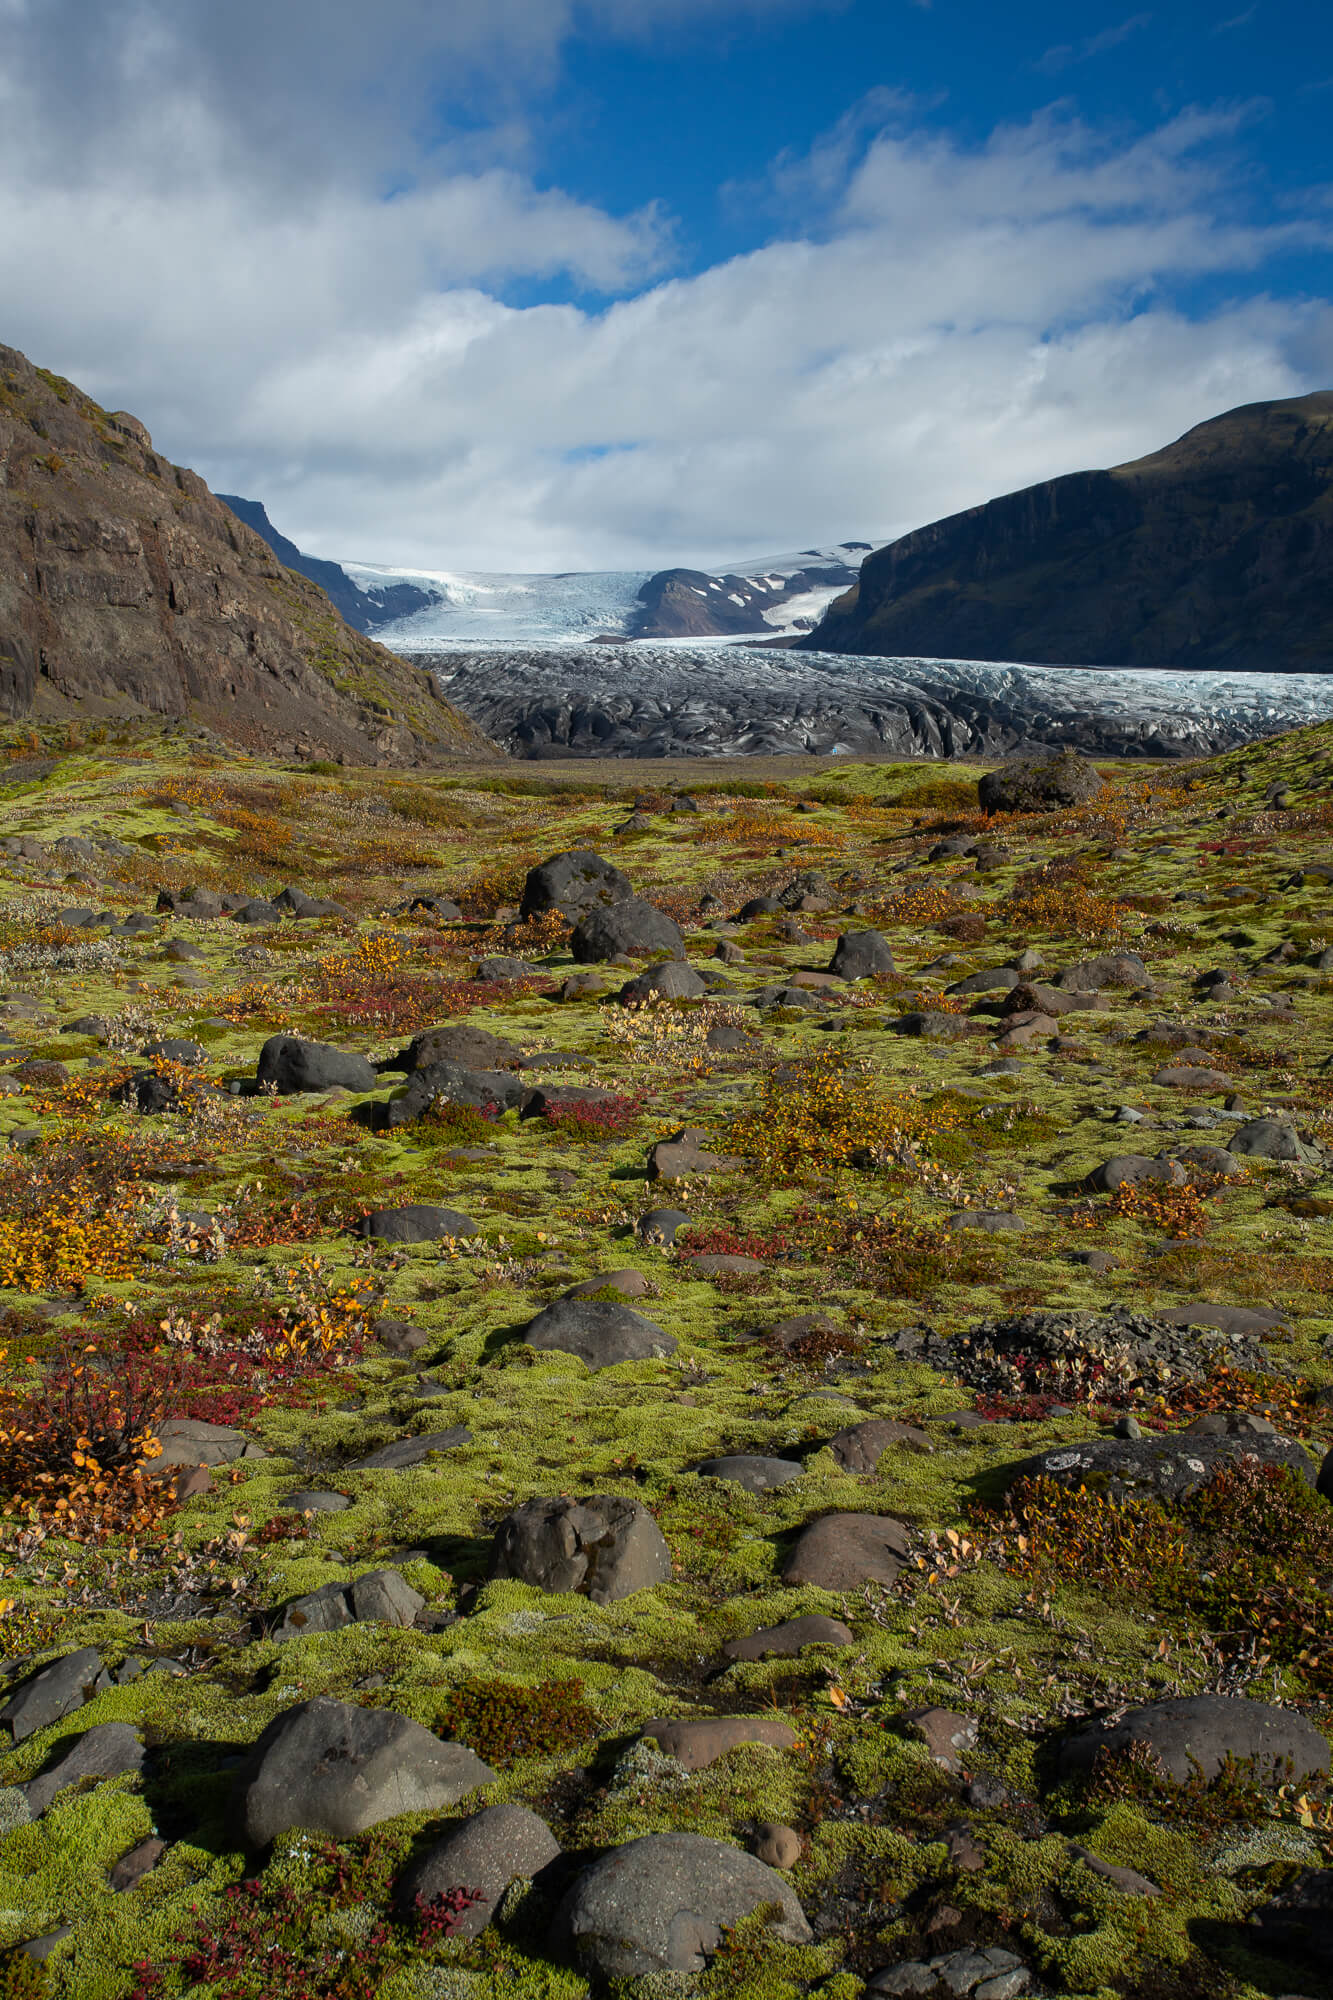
{"x":1216,"y":552}
{"x":778,"y":598}
{"x":367,"y":610}
{"x":127,"y":588}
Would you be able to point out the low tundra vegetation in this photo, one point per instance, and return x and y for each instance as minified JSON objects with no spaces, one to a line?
{"x":850,"y":1203}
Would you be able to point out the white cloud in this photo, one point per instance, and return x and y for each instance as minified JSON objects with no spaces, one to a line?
{"x":930,"y":322}
{"x":1067,"y":53}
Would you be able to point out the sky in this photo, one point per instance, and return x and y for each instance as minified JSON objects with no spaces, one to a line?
{"x":620,"y":284}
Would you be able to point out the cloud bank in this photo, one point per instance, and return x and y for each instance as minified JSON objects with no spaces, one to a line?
{"x":286,"y":238}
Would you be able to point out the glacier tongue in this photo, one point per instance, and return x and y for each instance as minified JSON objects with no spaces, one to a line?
{"x":711,"y":701}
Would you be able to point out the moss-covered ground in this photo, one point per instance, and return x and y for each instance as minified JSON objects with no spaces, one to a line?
{"x":850,"y":1147}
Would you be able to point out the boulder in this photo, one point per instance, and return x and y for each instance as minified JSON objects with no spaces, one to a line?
{"x":1164,"y":1467}
{"x":1116,"y":968}
{"x":418,"y":1222}
{"x":1199,"y":1733}
{"x":107,"y":1750}
{"x":699,"y":1741}
{"x":54,"y":1691}
{"x":1001,"y":978}
{"x":1039,"y":783}
{"x":487,"y":1851}
{"x":1128,"y":1169}
{"x":860,"y":1448}
{"x":407,"y":1451}
{"x":332,"y":1767}
{"x":672,"y":981}
{"x":573,"y":884}
{"x":290,"y":1064}
{"x":683,"y":1154}
{"x":664,"y":1902}
{"x":605,"y":1547}
{"x":861,"y":955}
{"x":492,"y":1091}
{"x":659,"y":1225}
{"x":931,"y":1023}
{"x":789,"y":1638}
{"x":752,"y":1474}
{"x":599,"y":1332}
{"x":631,"y":1284}
{"x":500,"y":968}
{"x":458,"y":1042}
{"x":383,"y":1596}
{"x":634,"y":927}
{"x":842,"y":1552}
{"x":191,"y":1441}
{"x":1273,"y":1139}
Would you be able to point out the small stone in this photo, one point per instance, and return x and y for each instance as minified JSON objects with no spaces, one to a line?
{"x":949,"y":1737}
{"x":777,"y":1846}
{"x":130,"y":1870}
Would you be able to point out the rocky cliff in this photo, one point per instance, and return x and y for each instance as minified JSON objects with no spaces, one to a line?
{"x":1216,"y":552}
{"x":127,"y":588}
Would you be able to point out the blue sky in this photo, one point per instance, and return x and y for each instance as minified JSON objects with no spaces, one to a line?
{"x":550,"y":284}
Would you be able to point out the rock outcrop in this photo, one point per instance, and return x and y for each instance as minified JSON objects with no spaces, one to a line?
{"x":127,"y":589}
{"x":1215,"y":552}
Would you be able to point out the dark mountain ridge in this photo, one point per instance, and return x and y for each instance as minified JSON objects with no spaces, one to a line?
{"x":128,"y":589}
{"x":1215,"y":552}
{"x":367,"y":610}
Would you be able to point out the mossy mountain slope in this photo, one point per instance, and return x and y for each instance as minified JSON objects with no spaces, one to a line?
{"x":127,"y":588}
{"x":1215,"y":552}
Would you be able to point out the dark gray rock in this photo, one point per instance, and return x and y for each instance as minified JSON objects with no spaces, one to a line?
{"x":492,"y":1091}
{"x":460,"y":1043}
{"x":788,"y":1639}
{"x":930,"y":1023}
{"x":750,"y":1473}
{"x":573,"y":883}
{"x":634,"y":927}
{"x":861,"y":955}
{"x":191,"y":1441}
{"x":662,"y":1904}
{"x":659,"y":1225}
{"x":1115,"y":968}
{"x":1200,"y":1732}
{"x":672,"y":981}
{"x":1000,"y":978}
{"x":418,"y":1222}
{"x":487,"y":1851}
{"x":1273,"y":1139}
{"x":841,"y":1552}
{"x":331,"y":1767}
{"x":1164,"y":1467}
{"x":53,"y":1691}
{"x":411,"y":1450}
{"x":175,"y":1049}
{"x":381,"y":1597}
{"x":107,"y":1750}
{"x":313,"y":1501}
{"x":1128,"y":1169}
{"x":606,"y":1547}
{"x":502,"y":968}
{"x":1039,"y":783}
{"x":860,"y":1447}
{"x":290,"y":1064}
{"x":991,"y":1221}
{"x":599,"y":1332}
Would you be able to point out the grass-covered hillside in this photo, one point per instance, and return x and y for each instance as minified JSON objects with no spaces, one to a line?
{"x":1018,"y":1294}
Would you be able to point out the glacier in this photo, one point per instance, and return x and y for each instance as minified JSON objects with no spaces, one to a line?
{"x":680,"y":700}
